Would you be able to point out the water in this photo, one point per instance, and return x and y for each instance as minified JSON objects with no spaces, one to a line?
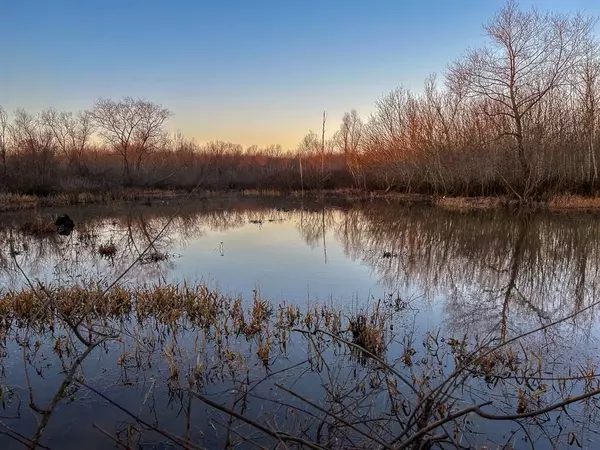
{"x":475,"y":274}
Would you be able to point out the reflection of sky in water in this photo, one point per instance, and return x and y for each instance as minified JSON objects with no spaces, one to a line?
{"x":456,"y":268}
{"x":274,"y":258}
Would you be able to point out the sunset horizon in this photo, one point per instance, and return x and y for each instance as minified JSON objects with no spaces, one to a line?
{"x":254,"y":74}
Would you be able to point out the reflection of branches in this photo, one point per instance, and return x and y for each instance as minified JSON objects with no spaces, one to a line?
{"x":314,"y":225}
{"x":46,"y":413}
{"x":469,"y":258}
{"x":180,"y":441}
{"x":402,"y":397}
{"x":378,"y":400}
{"x":284,"y":437}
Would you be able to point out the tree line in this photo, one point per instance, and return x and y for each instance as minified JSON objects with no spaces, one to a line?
{"x":518,"y":116}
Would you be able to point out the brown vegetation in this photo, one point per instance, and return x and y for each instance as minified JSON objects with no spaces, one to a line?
{"x":107,"y":250}
{"x":517,"y":117}
{"x":421,"y":390}
{"x":534,"y":273}
{"x":471,"y":203}
{"x":574,"y":202}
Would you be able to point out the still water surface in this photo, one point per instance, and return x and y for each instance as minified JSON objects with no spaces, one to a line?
{"x":484,"y":273}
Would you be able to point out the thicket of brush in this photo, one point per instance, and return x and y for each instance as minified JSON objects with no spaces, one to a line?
{"x":518,"y":116}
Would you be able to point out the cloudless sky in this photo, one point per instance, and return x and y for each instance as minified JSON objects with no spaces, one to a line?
{"x":248,"y":71}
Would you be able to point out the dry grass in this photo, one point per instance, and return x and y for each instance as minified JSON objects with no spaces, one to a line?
{"x":13,"y":202}
{"x":464,"y":204}
{"x":169,"y":304}
{"x":368,"y":331}
{"x":9,"y":202}
{"x":107,"y":250}
{"x":574,"y":202}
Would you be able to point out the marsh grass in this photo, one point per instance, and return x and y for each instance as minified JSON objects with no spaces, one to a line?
{"x":197,"y":304}
{"x":465,"y":204}
{"x":241,"y":342}
{"x":369,"y":331}
{"x":574,"y":202}
{"x":10,"y":201}
{"x":107,"y":250}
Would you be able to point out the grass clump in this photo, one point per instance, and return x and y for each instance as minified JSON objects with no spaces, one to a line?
{"x":10,"y":201}
{"x":154,"y":257}
{"x":107,"y":250}
{"x":465,"y":204}
{"x":369,"y":331}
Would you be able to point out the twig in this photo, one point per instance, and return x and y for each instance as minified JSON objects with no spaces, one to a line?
{"x":278,"y":436}
{"x":180,"y":441}
{"x":334,"y":416}
{"x":368,"y":353}
{"x":434,"y":425}
{"x":112,"y":438}
{"x":441,"y":389}
{"x":19,"y":437}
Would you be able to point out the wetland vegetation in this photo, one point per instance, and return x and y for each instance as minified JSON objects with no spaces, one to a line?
{"x":517,"y":117}
{"x":390,"y":284}
{"x":361,"y":325}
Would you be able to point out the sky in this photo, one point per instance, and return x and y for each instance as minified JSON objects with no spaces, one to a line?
{"x":248,"y":71}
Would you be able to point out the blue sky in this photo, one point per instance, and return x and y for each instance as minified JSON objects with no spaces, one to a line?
{"x":252,"y":71}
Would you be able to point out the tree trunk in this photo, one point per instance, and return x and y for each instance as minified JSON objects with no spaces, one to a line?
{"x":301,"y":174}
{"x":126,"y":170}
{"x":594,"y":166}
{"x":522,"y":154}
{"x":4,"y":171}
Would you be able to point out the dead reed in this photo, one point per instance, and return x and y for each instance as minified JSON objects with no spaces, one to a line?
{"x":196,"y":304}
{"x":107,"y":250}
{"x":161,"y":314}
{"x":574,"y":202}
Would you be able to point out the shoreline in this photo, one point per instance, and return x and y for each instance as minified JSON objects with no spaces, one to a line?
{"x":11,"y":202}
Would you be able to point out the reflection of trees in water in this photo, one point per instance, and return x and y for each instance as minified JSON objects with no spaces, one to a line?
{"x":132,"y":230}
{"x":313,"y":225}
{"x":487,"y":266}
{"x":496,"y":272}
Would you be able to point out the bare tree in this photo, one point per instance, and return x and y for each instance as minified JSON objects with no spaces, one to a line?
{"x":389,"y":137}
{"x":35,"y":144}
{"x":309,"y":146}
{"x":349,"y":138}
{"x":134,"y":128}
{"x":529,"y":54}
{"x":587,"y":86}
{"x":351,"y":131}
{"x":323,"y":149}
{"x":71,"y":132}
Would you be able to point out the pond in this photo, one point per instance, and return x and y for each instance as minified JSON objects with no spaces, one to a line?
{"x":434,"y":280}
